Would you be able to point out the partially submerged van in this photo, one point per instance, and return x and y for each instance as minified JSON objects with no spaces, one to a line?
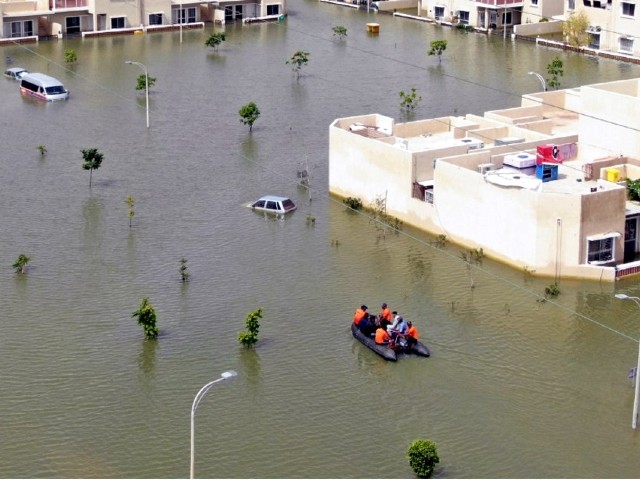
{"x":43,"y":87}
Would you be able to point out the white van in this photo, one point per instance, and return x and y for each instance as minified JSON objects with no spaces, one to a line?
{"x":43,"y":87}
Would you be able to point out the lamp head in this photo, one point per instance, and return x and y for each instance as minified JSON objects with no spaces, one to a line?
{"x":228,"y":374}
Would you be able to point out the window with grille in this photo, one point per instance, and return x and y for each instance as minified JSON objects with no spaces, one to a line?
{"x":600,"y":249}
{"x":626,"y":44}
{"x":628,"y":9}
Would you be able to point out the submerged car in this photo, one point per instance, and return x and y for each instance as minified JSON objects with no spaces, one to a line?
{"x":274,"y":204}
{"x":15,"y":73}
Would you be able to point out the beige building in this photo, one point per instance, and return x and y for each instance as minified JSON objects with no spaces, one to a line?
{"x":30,"y":20}
{"x":479,"y":180}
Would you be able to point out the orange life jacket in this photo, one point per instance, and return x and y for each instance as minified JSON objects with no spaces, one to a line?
{"x":413,"y":332}
{"x":385,"y":314}
{"x":381,"y":336}
{"x":359,"y":315}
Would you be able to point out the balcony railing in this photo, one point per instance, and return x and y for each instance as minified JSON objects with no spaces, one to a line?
{"x":500,"y":3}
{"x":67,"y":3}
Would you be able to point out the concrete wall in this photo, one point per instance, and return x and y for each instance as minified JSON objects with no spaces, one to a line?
{"x":391,"y":5}
{"x":536,"y":27}
{"x":366,"y":168}
{"x":611,"y":111}
{"x":422,"y":127}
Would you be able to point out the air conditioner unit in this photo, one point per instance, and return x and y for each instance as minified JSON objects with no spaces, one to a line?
{"x":472,"y":143}
{"x":508,"y":140}
{"x":486,"y":167}
{"x":428,"y":195}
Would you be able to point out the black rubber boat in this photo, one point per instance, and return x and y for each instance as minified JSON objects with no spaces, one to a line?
{"x":386,"y":352}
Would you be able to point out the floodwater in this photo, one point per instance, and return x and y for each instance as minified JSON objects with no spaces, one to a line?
{"x":516,"y":387}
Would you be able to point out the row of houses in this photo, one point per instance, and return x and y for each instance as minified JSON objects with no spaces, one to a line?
{"x":614,"y":26}
{"x":541,"y":187}
{"x":30,"y":20}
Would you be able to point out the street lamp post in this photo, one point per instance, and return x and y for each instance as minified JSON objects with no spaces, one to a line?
{"x":146,"y":83}
{"x":180,"y":20}
{"x":634,"y":422}
{"x":542,"y":81}
{"x":196,"y":401}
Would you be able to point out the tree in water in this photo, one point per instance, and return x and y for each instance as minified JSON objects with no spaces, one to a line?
{"x":130,"y":201}
{"x":184,"y":274}
{"x":437,"y":48}
{"x":92,"y":159}
{"x":249,"y":113}
{"x":141,"y":82}
{"x":249,"y":336}
{"x":146,"y":318}
{"x":423,"y":457}
{"x":382,"y":220}
{"x":21,"y":263}
{"x":340,"y":32}
{"x":410,"y":100}
{"x":556,"y":70}
{"x":215,"y":39}
{"x":575,"y":28}
{"x":472,"y":258}
{"x":70,"y":56}
{"x":298,"y":60}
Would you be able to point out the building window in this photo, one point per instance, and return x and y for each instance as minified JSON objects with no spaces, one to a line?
{"x":117,"y":22}
{"x":626,"y":44}
{"x":73,"y":24}
{"x":628,"y":9}
{"x":463,"y":17}
{"x":506,"y":18}
{"x":534,"y":3}
{"x":439,"y":12}
{"x":601,"y":248}
{"x":273,"y":9}
{"x":27,"y":28}
{"x":594,"y":41}
{"x":155,"y":19}
{"x":22,"y":29}
{"x":187,"y":15}
{"x":571,"y":5}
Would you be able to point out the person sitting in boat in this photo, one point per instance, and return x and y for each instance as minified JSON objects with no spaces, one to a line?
{"x":384,"y":317}
{"x":412,"y":335}
{"x":395,"y":322}
{"x":382,"y":337}
{"x":360,"y":314}
{"x":367,"y":325}
{"x":400,"y":329}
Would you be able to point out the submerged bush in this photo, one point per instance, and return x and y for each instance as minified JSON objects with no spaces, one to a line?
{"x":423,"y":457}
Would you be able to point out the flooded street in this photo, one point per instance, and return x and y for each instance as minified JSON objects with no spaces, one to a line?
{"x":515,"y":387}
